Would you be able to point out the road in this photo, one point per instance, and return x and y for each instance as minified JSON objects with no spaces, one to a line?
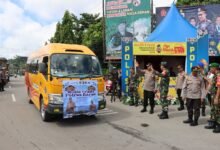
{"x":117,"y":127}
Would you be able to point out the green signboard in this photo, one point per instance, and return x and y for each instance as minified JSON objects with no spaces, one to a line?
{"x":125,"y":18}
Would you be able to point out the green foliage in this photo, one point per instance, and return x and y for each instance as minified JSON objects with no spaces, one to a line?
{"x":86,"y":30}
{"x":196,"y":2}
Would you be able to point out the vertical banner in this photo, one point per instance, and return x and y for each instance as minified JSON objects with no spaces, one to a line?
{"x":125,"y":18}
{"x":203,"y":51}
{"x":126,"y":62}
{"x":80,"y":97}
{"x":191,"y":57}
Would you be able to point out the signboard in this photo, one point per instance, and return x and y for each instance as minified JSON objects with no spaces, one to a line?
{"x":125,"y":18}
{"x":160,"y":48}
{"x":197,"y":51}
{"x":126,"y":62}
{"x":191,"y":59}
{"x":80,"y":97}
{"x":205,"y":18}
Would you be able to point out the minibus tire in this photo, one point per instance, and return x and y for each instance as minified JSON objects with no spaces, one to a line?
{"x":29,"y":101}
{"x":45,"y":116}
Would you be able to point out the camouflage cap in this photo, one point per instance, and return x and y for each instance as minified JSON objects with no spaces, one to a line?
{"x":214,"y":65}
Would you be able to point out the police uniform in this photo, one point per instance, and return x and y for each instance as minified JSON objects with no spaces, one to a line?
{"x":179,"y":84}
{"x":193,"y":91}
{"x":149,"y":90}
{"x":133,"y":82}
{"x":164,"y":89}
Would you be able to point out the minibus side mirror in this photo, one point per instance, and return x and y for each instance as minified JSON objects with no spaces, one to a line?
{"x":43,"y":68}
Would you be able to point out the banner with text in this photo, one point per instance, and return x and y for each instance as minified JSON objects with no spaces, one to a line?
{"x":205,"y":18}
{"x":160,"y":48}
{"x":191,"y":59}
{"x":125,"y":18}
{"x":126,"y":62}
{"x":80,"y":97}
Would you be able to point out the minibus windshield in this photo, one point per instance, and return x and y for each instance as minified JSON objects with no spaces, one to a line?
{"x":74,"y":65}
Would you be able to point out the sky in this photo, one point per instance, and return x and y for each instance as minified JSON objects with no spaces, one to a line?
{"x":25,"y":25}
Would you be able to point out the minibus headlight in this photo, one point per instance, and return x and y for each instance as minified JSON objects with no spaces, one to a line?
{"x":101,"y":97}
{"x":55,"y":99}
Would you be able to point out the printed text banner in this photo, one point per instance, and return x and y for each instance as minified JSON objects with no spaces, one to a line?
{"x":160,"y":48}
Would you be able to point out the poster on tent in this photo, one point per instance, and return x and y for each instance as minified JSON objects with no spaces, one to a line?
{"x":160,"y":48}
{"x":80,"y":97}
{"x":205,"y":18}
{"x":130,"y":18}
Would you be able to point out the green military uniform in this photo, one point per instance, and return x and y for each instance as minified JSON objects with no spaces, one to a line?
{"x":214,"y":122}
{"x":164,"y":89}
{"x":133,"y":88}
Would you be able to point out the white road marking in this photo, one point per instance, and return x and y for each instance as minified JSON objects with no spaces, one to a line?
{"x":106,"y":111}
{"x":13,"y":98}
{"x":107,"y":114}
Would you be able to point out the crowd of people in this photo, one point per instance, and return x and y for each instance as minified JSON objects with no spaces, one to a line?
{"x":192,"y":91}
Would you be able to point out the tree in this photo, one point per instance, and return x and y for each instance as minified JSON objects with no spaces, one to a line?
{"x":196,"y":2}
{"x":93,"y":38}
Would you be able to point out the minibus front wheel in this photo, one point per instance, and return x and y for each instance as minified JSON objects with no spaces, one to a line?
{"x":44,"y":114}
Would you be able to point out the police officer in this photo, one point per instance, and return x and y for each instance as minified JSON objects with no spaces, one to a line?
{"x":194,"y":92}
{"x":214,"y":121}
{"x":164,"y":89}
{"x":179,"y":84}
{"x":149,"y":88}
{"x":133,"y":82}
{"x":114,"y":78}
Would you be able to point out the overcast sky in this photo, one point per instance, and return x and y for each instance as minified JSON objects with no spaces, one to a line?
{"x":25,"y":25}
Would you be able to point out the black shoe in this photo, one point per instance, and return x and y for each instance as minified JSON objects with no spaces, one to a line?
{"x":211,"y":124}
{"x":144,"y":110}
{"x":160,"y":114}
{"x":217,"y":128}
{"x":194,"y":123}
{"x":180,"y":108}
{"x":151,"y":111}
{"x":164,"y":115}
{"x":188,"y":121}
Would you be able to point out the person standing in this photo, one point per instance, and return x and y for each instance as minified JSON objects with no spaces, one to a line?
{"x":114,"y":78}
{"x":193,"y":92}
{"x":217,"y":106}
{"x":119,"y":84}
{"x":203,"y":75}
{"x":1,"y":81}
{"x":179,"y":84}
{"x":133,"y":82}
{"x":149,"y":88}
{"x":213,"y":122}
{"x":164,"y":89}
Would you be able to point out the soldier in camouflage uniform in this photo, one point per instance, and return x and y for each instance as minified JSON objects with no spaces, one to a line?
{"x":164,"y":89}
{"x":214,"y":122}
{"x":133,"y":83}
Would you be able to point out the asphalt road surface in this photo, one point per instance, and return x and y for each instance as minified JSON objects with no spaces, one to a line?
{"x":118,"y":127}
